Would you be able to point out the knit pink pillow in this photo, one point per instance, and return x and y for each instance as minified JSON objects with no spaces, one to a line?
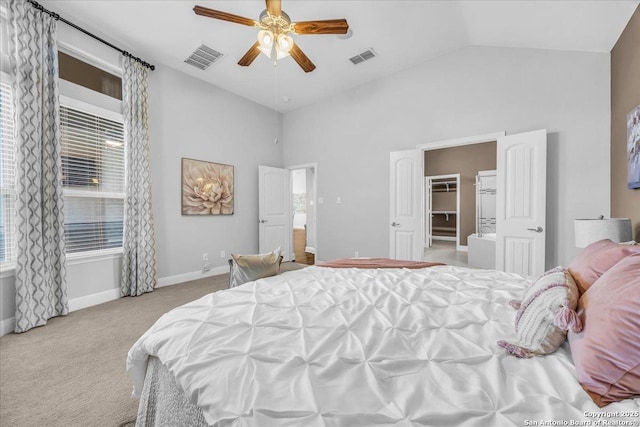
{"x":607,"y":352}
{"x":594,"y":260}
{"x":545,"y":314}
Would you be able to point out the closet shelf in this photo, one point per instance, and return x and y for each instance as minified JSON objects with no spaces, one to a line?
{"x":445,"y":229}
{"x":446,"y":213}
{"x":447,"y":184}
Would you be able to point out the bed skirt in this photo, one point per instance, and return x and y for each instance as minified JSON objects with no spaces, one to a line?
{"x":163,"y":403}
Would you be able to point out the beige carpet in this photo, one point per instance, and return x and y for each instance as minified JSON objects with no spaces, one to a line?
{"x":71,"y":372}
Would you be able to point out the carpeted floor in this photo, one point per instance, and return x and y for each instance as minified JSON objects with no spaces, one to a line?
{"x":71,"y":372}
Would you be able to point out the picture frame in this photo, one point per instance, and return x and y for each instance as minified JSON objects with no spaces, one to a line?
{"x":633,"y":148}
{"x":207,"y":188}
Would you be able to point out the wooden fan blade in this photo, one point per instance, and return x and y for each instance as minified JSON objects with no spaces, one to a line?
{"x":251,"y":54}
{"x":330,"y":26}
{"x":211,"y":13}
{"x":274,"y":7}
{"x":303,"y":61}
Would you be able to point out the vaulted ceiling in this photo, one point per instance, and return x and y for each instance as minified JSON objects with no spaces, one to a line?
{"x":402,"y":33}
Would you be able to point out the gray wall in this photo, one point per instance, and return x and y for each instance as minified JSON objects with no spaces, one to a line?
{"x":469,"y":92}
{"x":473,"y":91}
{"x":188,"y":118}
{"x":191,"y":118}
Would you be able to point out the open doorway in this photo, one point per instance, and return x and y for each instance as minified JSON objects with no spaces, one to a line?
{"x":520,"y":200}
{"x":303,"y":213}
{"x":451,"y":203}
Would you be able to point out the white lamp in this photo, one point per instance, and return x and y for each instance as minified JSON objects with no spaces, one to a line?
{"x":591,"y":230}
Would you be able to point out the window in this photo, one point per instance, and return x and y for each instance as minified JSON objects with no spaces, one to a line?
{"x":86,"y":75}
{"x":93,"y":174}
{"x":7,"y":176}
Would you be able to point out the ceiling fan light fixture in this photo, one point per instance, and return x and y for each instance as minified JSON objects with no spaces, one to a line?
{"x":285,"y":43}
{"x":265,"y":38}
{"x":269,"y":52}
{"x":282,"y":46}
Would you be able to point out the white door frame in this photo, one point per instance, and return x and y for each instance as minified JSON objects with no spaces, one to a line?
{"x":314,"y":166}
{"x":457,"y":142}
{"x":447,"y":143}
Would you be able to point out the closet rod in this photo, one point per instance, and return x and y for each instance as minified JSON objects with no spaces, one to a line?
{"x":82,"y":30}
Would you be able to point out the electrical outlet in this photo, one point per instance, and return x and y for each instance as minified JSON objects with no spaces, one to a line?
{"x":223,"y":254}
{"x":338,"y":200}
{"x":356,"y":254}
{"x":205,"y":257}
{"x":320,"y":200}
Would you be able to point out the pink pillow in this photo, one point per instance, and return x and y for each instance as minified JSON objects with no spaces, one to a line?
{"x":594,"y":260}
{"x":607,"y":351}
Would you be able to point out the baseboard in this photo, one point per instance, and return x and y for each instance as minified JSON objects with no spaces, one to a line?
{"x":193,"y":275}
{"x":7,"y":326}
{"x":93,"y":299}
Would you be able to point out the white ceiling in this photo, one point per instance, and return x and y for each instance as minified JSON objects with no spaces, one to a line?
{"x":402,"y":33}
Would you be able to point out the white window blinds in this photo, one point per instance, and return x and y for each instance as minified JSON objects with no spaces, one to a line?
{"x":7,"y":176}
{"x":93,"y":175}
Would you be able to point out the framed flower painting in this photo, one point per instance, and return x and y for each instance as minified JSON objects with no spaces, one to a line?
{"x":207,"y":188}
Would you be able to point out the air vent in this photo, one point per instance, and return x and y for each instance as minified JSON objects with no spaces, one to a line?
{"x":364,"y":56}
{"x":203,"y":57}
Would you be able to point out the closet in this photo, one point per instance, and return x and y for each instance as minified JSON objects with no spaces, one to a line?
{"x":442,"y":208}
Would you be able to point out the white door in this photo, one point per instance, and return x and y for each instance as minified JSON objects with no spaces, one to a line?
{"x":521,"y":182}
{"x":405,"y":222}
{"x":274,"y":210}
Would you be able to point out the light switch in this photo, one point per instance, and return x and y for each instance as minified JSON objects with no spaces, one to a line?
{"x":338,"y":200}
{"x":320,"y":200}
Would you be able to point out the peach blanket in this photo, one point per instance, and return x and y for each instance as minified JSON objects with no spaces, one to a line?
{"x":377,"y":263}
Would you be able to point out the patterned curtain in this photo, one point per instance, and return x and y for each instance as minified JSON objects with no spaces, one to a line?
{"x":41,"y":289}
{"x":139,"y":255}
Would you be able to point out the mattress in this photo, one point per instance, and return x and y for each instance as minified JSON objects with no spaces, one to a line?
{"x":353,"y":347}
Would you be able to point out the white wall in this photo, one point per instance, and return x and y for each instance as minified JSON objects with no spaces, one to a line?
{"x":190,"y":118}
{"x":469,"y":92}
{"x":472,"y":91}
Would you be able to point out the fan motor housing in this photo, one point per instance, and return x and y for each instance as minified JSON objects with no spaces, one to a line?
{"x":268,"y":21}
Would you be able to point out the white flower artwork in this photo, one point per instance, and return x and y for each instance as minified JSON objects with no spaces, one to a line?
{"x":207,"y":188}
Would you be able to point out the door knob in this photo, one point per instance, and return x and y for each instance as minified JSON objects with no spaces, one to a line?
{"x":538,"y":229}
{"x":395,"y":224}
{"x":262,"y":221}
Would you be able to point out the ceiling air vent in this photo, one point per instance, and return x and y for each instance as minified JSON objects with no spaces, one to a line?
{"x":203,"y":57}
{"x":364,"y":56}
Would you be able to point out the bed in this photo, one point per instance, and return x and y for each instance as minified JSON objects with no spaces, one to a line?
{"x":356,"y":347}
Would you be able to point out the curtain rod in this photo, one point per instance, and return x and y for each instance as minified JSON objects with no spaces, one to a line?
{"x":82,"y":30}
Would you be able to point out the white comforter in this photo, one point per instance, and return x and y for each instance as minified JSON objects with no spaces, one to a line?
{"x":348,"y":347}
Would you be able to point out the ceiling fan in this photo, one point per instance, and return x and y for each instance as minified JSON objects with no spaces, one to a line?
{"x":274,"y":38}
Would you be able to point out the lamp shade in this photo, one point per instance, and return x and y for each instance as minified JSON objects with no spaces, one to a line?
{"x":591,"y":230}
